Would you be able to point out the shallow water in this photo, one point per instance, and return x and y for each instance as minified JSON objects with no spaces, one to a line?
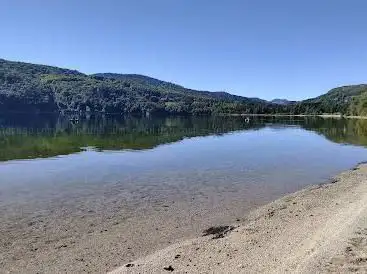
{"x":173,"y":154}
{"x":184,"y":173}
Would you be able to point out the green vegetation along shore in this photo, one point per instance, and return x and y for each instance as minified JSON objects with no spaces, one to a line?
{"x":26,"y":87}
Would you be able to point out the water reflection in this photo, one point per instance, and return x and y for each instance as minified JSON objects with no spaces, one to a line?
{"x":39,"y":136}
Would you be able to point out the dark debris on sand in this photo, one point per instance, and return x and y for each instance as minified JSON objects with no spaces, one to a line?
{"x":218,"y":231}
{"x":169,"y":268}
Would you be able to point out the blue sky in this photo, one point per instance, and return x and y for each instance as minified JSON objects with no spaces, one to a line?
{"x":259,"y":48}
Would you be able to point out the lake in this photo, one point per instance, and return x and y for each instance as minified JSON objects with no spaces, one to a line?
{"x":117,"y":188}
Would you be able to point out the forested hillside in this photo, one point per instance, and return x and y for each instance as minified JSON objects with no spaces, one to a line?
{"x":37,"y":88}
{"x":28,"y":87}
{"x":347,"y":100}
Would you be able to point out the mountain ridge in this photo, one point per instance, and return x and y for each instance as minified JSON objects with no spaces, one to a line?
{"x":30,"y":87}
{"x":281,"y":101}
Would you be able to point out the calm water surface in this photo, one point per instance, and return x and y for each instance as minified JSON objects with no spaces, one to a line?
{"x":43,"y":155}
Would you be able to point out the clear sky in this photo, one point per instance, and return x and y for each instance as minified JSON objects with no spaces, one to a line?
{"x":259,"y":48}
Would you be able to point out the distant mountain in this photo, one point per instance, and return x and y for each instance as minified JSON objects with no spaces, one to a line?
{"x":26,"y":87}
{"x":281,"y":102}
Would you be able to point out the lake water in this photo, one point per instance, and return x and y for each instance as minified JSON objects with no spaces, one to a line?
{"x":62,"y":179}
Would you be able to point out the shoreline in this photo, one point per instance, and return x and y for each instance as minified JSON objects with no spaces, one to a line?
{"x":96,"y":235}
{"x":319,"y":229}
{"x":338,"y":116}
{"x":185,"y":115}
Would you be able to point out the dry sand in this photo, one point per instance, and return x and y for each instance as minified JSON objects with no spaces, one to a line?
{"x":320,"y":229}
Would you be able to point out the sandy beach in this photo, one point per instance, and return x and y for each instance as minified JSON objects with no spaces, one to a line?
{"x":320,"y":229}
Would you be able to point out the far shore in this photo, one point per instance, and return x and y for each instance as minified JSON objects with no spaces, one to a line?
{"x":74,"y":115}
{"x":297,"y":115}
{"x":320,"y":229}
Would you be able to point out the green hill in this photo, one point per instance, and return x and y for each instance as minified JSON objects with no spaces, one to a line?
{"x":33,"y":88}
{"x":37,"y":88}
{"x":347,"y":100}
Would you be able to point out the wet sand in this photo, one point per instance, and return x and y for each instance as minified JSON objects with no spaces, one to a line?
{"x":321,"y":229}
